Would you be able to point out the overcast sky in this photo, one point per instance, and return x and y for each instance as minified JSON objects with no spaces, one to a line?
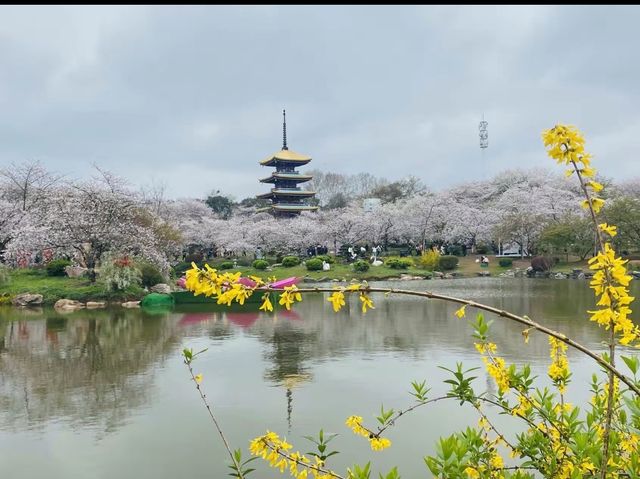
{"x":192,"y":96}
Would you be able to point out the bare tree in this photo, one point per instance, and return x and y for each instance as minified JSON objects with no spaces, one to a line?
{"x":154,"y":196}
{"x":27,"y":184}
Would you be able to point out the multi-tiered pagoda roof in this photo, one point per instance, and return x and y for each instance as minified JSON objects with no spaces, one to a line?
{"x":287,"y":198}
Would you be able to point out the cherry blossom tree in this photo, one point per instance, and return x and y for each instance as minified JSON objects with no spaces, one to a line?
{"x":87,"y":219}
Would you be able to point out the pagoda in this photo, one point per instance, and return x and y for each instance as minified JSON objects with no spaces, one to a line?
{"x":287,"y":198}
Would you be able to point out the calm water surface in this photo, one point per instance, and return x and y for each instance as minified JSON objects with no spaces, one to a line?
{"x":105,"y":394}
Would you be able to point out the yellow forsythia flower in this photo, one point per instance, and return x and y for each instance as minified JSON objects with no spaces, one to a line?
{"x":609,"y":229}
{"x":595,"y":185}
{"x":472,"y":473}
{"x":198,"y":378}
{"x":366,"y":302}
{"x":355,"y":423}
{"x":266,"y":303}
{"x":379,"y":443}
{"x":596,"y":203}
{"x":460,"y":313}
{"x":337,"y":300}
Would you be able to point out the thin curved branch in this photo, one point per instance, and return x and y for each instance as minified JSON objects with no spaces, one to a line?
{"x":499,"y":312}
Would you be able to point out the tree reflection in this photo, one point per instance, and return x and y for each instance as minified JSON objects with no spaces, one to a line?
{"x":87,"y":368}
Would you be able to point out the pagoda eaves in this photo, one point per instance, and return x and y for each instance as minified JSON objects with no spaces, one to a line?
{"x":287,"y":199}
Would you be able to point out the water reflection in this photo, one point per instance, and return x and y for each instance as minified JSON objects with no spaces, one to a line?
{"x":88,"y":368}
{"x":118,"y":372}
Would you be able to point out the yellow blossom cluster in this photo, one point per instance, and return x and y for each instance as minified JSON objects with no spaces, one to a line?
{"x":337,"y":299}
{"x":208,"y":281}
{"x":610,"y":281}
{"x":569,"y":470}
{"x":559,"y":367}
{"x":366,"y":302}
{"x":235,"y":292}
{"x":290,"y":296}
{"x":266,"y":303}
{"x":494,"y":469}
{"x":277,"y":453}
{"x":495,"y":365}
{"x":472,"y":472}
{"x":377,"y":443}
{"x":228,"y":288}
{"x":566,"y":145}
{"x":524,"y":406}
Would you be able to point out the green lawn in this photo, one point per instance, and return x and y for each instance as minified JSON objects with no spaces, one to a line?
{"x":53,"y":288}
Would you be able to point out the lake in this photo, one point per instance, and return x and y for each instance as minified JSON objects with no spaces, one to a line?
{"x":105,"y":393}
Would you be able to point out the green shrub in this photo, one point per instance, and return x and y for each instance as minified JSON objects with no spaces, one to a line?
{"x":226,"y":265}
{"x":289,"y":261}
{"x":57,"y":266}
{"x":260,"y":264}
{"x":150,"y":275}
{"x":505,"y":262}
{"x":448,"y":262}
{"x":398,"y":263}
{"x":314,"y":264}
{"x":482,"y":249}
{"x":454,"y":250}
{"x":429,"y":260}
{"x":5,"y":299}
{"x":361,"y":266}
{"x":325,"y":257}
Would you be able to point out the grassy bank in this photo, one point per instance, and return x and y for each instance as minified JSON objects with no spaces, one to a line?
{"x":53,"y":288}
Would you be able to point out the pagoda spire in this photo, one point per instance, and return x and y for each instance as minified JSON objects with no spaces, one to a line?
{"x":284,"y":130}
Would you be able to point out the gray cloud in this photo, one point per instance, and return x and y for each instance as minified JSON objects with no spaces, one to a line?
{"x":192,"y":95}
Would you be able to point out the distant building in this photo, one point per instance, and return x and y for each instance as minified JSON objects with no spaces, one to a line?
{"x":371,"y":204}
{"x":287,"y":198}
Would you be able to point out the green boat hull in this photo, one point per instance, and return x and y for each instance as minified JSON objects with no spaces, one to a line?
{"x":187,"y":297}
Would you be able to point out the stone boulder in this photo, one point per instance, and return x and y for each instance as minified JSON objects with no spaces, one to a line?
{"x":68,"y":305}
{"x":131,"y":304}
{"x":409,"y":277}
{"x":75,"y":271}
{"x":438,"y":274}
{"x":161,"y":288}
{"x":96,"y":304}
{"x":27,"y":299}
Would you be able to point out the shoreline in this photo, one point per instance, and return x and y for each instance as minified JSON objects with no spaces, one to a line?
{"x":72,"y":290}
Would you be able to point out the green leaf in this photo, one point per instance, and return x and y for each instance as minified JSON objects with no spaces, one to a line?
{"x":632,"y":363}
